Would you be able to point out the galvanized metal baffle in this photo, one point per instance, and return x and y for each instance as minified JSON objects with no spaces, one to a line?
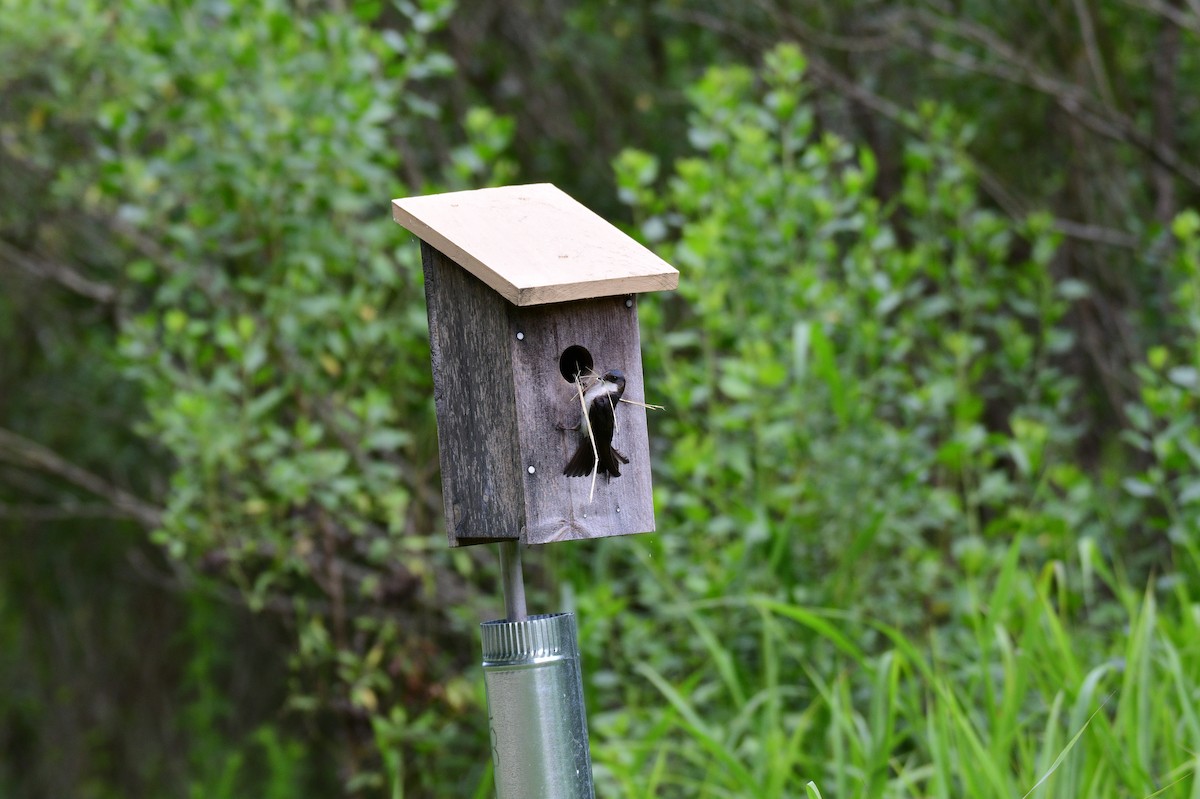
{"x":535,"y":697}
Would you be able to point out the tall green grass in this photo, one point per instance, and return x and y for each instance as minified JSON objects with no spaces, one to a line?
{"x":1033,"y":692}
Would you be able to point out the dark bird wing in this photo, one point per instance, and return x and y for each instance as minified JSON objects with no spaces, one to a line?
{"x":601,"y":417}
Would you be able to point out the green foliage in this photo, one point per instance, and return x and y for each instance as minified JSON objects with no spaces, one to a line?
{"x":873,"y":450}
{"x":277,"y":774}
{"x":1024,"y":699}
{"x":283,"y":358}
{"x":260,"y":763}
{"x":882,"y":373}
{"x":239,"y":159}
{"x":1166,"y":423}
{"x":110,"y":688}
{"x":264,"y":349}
{"x":891,"y":562}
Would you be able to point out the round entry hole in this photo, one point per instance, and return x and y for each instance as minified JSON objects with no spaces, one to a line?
{"x":574,"y":361}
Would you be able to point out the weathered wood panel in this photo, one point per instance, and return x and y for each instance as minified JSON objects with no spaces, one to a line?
{"x":557,"y":507}
{"x":482,"y":483}
{"x":504,"y":411}
{"x":534,"y":244}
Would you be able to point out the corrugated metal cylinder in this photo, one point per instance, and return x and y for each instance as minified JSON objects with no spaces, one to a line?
{"x":535,"y":708}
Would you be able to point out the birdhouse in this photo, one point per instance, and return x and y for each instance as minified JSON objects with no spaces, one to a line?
{"x":532,"y":304}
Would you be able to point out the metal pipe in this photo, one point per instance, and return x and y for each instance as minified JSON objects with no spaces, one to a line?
{"x":535,"y":708}
{"x":512,"y":581}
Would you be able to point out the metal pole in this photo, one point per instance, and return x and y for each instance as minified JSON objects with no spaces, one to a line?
{"x":512,"y":581}
{"x":536,"y":715}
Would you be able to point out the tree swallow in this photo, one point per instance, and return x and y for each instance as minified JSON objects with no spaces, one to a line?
{"x":601,"y":401}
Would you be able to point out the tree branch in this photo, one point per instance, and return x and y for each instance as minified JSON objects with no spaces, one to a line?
{"x":54,"y":513}
{"x":1101,"y":119}
{"x":827,"y":75}
{"x":18,"y":449}
{"x":60,"y":273}
{"x":1177,"y":16}
{"x":1095,"y":234}
{"x":1087,"y":30}
{"x":1163,"y":108}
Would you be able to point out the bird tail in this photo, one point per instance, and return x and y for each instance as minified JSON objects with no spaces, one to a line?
{"x":584,"y":459}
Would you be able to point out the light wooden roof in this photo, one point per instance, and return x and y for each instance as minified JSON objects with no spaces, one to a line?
{"x":534,"y":244}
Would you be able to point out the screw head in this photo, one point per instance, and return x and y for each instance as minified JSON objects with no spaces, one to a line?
{"x":532,"y":470}
{"x":520,"y":336}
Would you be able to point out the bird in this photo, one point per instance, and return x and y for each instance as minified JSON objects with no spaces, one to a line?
{"x":601,"y":402}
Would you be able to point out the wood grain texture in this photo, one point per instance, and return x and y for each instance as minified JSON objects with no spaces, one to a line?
{"x":503,"y":407}
{"x":558,"y":507}
{"x":482,"y":486}
{"x":534,"y":244}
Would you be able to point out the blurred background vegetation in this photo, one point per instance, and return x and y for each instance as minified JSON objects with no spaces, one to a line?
{"x":928,"y":488}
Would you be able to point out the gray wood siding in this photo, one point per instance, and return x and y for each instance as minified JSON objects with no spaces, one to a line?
{"x":482,"y":487}
{"x":557,"y":507}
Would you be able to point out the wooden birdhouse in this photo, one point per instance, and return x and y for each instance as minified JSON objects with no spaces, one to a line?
{"x":533,"y":318}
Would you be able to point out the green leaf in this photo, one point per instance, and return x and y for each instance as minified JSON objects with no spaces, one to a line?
{"x":1186,"y":225}
{"x":1138,"y":487}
